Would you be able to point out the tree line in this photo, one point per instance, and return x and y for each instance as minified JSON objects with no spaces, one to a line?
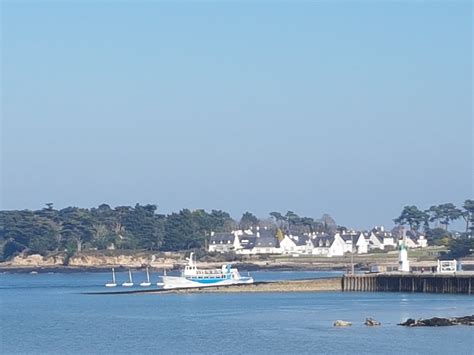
{"x":435,"y":221}
{"x":74,"y":229}
{"x":442,"y":214}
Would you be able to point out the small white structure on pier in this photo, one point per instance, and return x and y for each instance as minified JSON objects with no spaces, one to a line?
{"x":403,"y":263}
{"x":445,"y":266}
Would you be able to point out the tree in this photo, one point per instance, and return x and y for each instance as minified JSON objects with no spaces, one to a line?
{"x":143,"y":227}
{"x":221,"y":221}
{"x":461,"y":247}
{"x":292,"y":219}
{"x":279,"y":235}
{"x":27,"y":231}
{"x":248,"y":221}
{"x":412,"y":216}
{"x":76,"y":228}
{"x":468,"y":215}
{"x":438,"y":236}
{"x":279,"y":218}
{"x":444,"y":214}
{"x":182,"y":232}
{"x":308,"y":224}
{"x":328,"y":223}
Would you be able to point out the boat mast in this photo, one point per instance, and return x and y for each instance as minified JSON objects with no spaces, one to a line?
{"x":113,"y":275}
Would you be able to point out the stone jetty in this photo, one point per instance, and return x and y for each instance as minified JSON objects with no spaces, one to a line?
{"x":393,"y":282}
{"x":462,"y":282}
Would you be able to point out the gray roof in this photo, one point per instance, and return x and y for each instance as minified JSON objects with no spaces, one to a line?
{"x":266,"y":233}
{"x":323,"y":240}
{"x":217,"y":238}
{"x":413,"y":234}
{"x":247,"y":241}
{"x":302,"y":240}
{"x":267,"y":239}
{"x":347,"y":237}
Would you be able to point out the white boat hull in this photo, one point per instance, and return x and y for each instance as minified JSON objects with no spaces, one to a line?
{"x":170,"y":282}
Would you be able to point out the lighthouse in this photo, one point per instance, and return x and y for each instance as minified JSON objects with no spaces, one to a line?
{"x":403,"y":263}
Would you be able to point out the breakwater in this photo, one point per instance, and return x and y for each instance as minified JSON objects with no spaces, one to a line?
{"x":308,"y":285}
{"x":461,"y":283}
{"x":397,"y":282}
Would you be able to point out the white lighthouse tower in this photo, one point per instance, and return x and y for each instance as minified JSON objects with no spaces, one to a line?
{"x":403,"y":263}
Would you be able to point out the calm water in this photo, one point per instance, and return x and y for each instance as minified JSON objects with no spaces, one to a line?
{"x":46,"y":313}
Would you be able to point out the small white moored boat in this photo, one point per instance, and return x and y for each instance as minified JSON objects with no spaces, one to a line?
{"x":113,"y":283}
{"x":147,"y":282}
{"x":128,"y":283}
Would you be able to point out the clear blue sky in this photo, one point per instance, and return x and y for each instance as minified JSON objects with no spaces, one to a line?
{"x":351,"y":108}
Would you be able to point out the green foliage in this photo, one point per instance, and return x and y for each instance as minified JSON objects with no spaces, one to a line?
{"x":295,"y":224}
{"x":248,"y":221}
{"x":468,"y":215}
{"x":444,"y":214}
{"x":412,"y":216}
{"x":461,"y":247}
{"x":279,"y":234}
{"x":73,"y":229}
{"x":438,"y":236}
{"x":187,"y":230}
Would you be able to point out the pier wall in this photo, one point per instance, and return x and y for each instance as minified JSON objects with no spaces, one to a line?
{"x":430,"y":283}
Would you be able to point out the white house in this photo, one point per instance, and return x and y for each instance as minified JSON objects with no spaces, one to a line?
{"x":328,"y":246}
{"x":362,"y":244}
{"x":224,"y":242}
{"x":288,"y":245}
{"x":348,"y":239}
{"x":247,"y":244}
{"x":266,"y":242}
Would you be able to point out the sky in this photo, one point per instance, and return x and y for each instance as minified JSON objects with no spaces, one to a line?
{"x":355,"y":109}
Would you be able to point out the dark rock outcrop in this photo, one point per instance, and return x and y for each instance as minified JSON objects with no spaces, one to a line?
{"x":371,"y":322}
{"x":438,"y":322}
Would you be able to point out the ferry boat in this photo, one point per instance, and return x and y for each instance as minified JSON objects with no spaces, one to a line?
{"x":191,"y":276}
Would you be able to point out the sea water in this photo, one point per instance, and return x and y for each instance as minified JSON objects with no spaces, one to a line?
{"x":48,"y":313}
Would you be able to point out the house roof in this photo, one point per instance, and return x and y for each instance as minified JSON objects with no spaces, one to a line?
{"x":326,"y":239}
{"x":301,"y":240}
{"x":266,"y":233}
{"x":221,"y":238}
{"x":349,"y":237}
{"x":247,"y":241}
{"x":267,"y":239}
{"x":413,"y":234}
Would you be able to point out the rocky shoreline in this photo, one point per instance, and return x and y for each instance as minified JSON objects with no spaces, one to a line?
{"x":99,"y":262}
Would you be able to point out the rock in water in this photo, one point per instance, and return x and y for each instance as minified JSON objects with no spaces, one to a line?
{"x":439,"y":322}
{"x":467,"y":320}
{"x":409,"y":323}
{"x":342,"y":323}
{"x":371,"y":322}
